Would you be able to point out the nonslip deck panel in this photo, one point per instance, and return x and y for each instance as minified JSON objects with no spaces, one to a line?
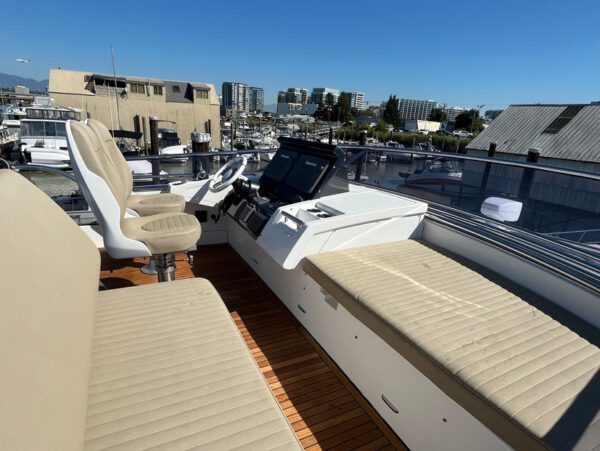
{"x":529,"y":378}
{"x":325,"y":409}
{"x":170,"y":369}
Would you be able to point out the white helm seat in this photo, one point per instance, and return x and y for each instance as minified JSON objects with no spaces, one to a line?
{"x":107,"y":191}
{"x":144,"y":205}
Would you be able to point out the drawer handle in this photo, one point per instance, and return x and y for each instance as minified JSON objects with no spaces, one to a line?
{"x":301,"y":308}
{"x":389,"y":404}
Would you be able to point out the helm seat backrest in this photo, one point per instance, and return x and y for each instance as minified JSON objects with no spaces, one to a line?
{"x":113,"y":152}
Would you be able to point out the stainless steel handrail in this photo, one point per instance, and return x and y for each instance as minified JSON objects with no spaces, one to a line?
{"x":191,"y":155}
{"x":581,"y":266}
{"x":574,"y":271}
{"x":38,"y":167}
{"x":355,"y":147}
{"x":458,"y":156}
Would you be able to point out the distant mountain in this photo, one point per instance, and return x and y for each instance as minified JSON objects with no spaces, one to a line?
{"x":8,"y":81}
{"x":271,"y":108}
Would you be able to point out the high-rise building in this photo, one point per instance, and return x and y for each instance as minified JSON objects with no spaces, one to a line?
{"x":293,"y":95}
{"x":293,"y":100}
{"x":256,"y":100}
{"x":303,"y":96}
{"x":493,"y":114}
{"x":415,"y":109}
{"x":357,"y":100}
{"x":319,"y":95}
{"x":452,"y":112}
{"x":236,"y":96}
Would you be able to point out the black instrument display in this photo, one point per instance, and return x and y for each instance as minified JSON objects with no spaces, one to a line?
{"x":306,"y":173}
{"x":300,"y":170}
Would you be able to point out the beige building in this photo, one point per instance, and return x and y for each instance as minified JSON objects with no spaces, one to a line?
{"x":416,"y":125}
{"x":127,"y":102}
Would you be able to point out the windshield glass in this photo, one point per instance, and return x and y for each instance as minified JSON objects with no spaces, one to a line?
{"x":556,"y":205}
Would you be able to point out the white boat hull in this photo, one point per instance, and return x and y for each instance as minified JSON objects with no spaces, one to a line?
{"x":267,"y":156}
{"x":180,"y":149}
{"x":56,"y":158}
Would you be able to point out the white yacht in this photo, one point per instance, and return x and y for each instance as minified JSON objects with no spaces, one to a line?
{"x":43,"y":135}
{"x":437,"y":173}
{"x":11,"y":117}
{"x":315,"y":314}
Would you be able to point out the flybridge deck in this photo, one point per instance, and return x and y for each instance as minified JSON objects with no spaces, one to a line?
{"x":421,"y":311}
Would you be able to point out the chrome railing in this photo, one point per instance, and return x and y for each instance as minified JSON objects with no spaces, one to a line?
{"x":572,"y":259}
{"x":41,"y":167}
{"x":572,"y":214}
{"x":578,"y":236}
{"x":200,"y":162}
{"x":460,"y":156}
{"x":555,"y":200}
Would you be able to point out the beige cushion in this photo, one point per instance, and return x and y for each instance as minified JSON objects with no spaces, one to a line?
{"x":153,"y":204}
{"x":122,"y":170}
{"x":95,"y":158}
{"x":171,"y":370}
{"x":144,"y":205}
{"x":48,"y":288}
{"x":164,"y":233}
{"x":529,"y":378}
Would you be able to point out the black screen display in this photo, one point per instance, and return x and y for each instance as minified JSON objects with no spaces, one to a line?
{"x":307,"y":173}
{"x":280,"y":165}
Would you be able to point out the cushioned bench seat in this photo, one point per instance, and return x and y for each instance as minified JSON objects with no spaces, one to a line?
{"x":160,"y":366}
{"x":170,"y":369}
{"x":529,"y":378}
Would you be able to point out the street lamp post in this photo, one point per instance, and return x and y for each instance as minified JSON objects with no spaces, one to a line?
{"x":479,"y":107}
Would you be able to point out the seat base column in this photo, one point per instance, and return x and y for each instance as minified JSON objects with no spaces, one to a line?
{"x":165,"y":267}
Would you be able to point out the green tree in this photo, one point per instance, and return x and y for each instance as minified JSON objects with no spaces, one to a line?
{"x":321,"y":113}
{"x":469,"y":119}
{"x":391,"y":114}
{"x":381,"y":127}
{"x":329,"y":100}
{"x":438,"y":115}
{"x":341,"y":110}
{"x":369,"y":112}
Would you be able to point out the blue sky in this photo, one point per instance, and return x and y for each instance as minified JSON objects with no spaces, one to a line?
{"x":456,"y":52}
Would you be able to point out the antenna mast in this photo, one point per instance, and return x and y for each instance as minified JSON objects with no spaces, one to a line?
{"x":112,"y":51}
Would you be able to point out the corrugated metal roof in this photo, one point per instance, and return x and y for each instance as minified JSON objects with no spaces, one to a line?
{"x":521,"y":127}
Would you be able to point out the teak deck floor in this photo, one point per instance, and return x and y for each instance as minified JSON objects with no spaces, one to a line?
{"x":324,"y":408}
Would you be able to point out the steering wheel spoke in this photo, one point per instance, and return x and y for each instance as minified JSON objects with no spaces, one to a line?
{"x":228,"y":174}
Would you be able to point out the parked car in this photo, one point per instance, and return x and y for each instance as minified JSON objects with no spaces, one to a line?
{"x":423,"y":132}
{"x":462,"y":134}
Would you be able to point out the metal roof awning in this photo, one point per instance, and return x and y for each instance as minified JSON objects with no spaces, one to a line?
{"x":103,"y":77}
{"x":200,"y":86}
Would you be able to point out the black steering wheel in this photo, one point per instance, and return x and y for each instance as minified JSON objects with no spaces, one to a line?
{"x":228,"y":174}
